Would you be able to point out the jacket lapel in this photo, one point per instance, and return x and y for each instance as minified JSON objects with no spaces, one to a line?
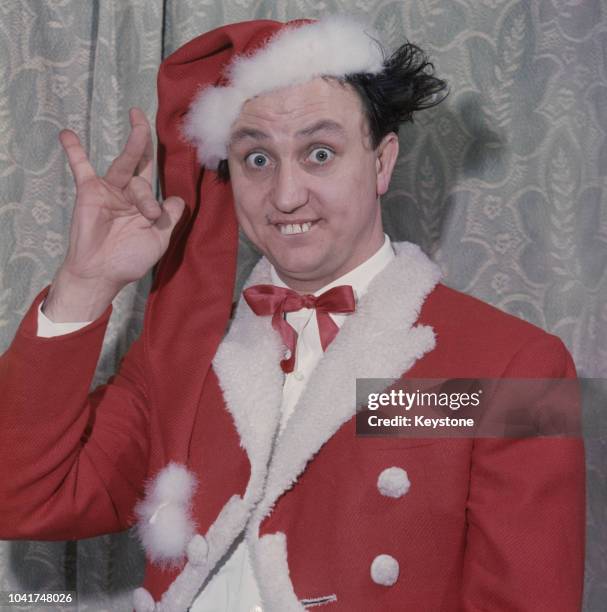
{"x":380,"y":340}
{"x":247,"y":365}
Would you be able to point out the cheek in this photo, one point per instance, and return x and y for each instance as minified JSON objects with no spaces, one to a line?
{"x":362,"y":177}
{"x":248,"y":203}
{"x":344,"y":197}
{"x":244,"y":193}
{"x":247,"y":221}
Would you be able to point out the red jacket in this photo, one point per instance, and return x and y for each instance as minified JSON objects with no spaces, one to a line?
{"x":486,"y":524}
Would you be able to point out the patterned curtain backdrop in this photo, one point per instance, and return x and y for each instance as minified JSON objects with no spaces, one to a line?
{"x":504,"y":184}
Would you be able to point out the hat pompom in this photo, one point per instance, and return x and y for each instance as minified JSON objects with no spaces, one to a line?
{"x":165,"y":525}
{"x":174,"y":484}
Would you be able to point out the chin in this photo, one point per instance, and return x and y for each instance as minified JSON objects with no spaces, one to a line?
{"x":299,"y":264}
{"x":299,"y":272}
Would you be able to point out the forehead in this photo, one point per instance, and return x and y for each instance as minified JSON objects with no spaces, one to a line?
{"x":324,"y":104}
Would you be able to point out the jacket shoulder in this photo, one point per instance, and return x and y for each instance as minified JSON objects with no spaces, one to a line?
{"x":472,"y":335}
{"x":447,"y":304}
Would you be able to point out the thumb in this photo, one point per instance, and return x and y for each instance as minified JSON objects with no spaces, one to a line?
{"x":172,"y":209}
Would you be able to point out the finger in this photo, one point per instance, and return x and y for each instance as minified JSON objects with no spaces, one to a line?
{"x":139,"y":193}
{"x":123,"y":167}
{"x":76,"y":156}
{"x":145,"y":168}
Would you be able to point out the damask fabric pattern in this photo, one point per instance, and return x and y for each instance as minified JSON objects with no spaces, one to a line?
{"x":504,"y":184}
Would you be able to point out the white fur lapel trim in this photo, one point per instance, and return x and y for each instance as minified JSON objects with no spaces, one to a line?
{"x":272,"y":571}
{"x":225,"y":529}
{"x":380,"y":340}
{"x":247,"y":365}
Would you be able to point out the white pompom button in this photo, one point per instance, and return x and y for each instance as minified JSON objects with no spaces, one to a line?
{"x":384,"y":570}
{"x":197,"y":550}
{"x":143,"y":601}
{"x":393,"y":482}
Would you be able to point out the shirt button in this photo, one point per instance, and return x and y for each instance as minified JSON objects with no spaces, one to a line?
{"x":298,"y":376}
{"x":287,"y":354}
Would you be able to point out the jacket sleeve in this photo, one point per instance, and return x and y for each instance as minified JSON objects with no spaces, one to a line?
{"x":526,"y":509}
{"x":72,"y":463}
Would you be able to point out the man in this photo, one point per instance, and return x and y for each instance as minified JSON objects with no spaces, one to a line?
{"x":255,"y":433}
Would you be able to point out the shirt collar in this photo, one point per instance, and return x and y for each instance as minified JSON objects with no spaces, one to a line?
{"x":360,"y":277}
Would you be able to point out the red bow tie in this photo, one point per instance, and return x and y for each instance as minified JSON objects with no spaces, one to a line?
{"x":267,"y":300}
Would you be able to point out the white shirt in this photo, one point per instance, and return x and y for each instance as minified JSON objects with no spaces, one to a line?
{"x":50,"y":329}
{"x":233,"y":587}
{"x":309,"y":350}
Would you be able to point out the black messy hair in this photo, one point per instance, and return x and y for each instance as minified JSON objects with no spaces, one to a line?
{"x":405,"y":85}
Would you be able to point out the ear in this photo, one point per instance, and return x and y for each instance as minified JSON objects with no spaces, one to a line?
{"x":387,"y":152}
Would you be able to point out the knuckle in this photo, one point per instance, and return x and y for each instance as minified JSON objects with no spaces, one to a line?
{"x":140,"y":185}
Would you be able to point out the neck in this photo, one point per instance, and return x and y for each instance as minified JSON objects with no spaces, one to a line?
{"x":356,"y":274}
{"x":304,"y":286}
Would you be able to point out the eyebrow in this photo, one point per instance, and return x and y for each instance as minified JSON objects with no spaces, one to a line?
{"x":244,"y":133}
{"x":324,"y":125}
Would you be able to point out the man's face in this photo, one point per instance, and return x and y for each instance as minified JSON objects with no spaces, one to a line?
{"x":306,"y":180}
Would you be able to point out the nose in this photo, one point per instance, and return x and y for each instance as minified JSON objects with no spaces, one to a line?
{"x":289,"y":190}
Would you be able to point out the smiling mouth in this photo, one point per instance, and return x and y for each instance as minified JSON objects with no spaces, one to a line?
{"x":287,"y":229}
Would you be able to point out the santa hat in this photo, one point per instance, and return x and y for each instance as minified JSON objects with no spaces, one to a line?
{"x":201,"y":89}
{"x":296,"y":53}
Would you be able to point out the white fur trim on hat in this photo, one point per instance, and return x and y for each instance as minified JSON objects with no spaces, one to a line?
{"x":384,"y":570}
{"x":393,"y":482}
{"x":165,"y":525}
{"x":334,"y":46}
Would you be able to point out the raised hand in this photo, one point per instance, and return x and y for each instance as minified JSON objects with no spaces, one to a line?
{"x":119,"y":230}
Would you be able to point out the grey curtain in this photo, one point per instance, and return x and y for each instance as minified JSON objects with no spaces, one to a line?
{"x":504,"y":185}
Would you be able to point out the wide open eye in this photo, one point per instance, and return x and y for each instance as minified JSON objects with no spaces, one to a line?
{"x":320,"y":155}
{"x":257,"y":160}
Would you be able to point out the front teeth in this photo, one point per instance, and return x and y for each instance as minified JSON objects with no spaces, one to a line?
{"x":295,"y":228}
